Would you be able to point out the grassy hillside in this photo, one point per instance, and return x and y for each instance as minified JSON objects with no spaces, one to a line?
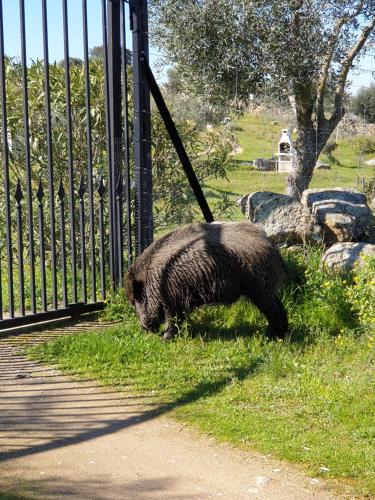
{"x":258,"y":137}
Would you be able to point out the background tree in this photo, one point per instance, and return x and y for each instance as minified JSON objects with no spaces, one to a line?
{"x":364,"y":103}
{"x":302,"y":48}
{"x":97,"y":52}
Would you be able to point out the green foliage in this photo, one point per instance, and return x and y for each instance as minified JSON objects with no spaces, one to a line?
{"x":191,"y":107}
{"x":117,"y":306}
{"x":210,"y":153}
{"x":362,"y":293}
{"x":37,"y":121}
{"x":363,"y":144}
{"x":364,"y":103}
{"x":175,"y":203}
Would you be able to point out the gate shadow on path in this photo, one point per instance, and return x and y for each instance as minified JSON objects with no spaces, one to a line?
{"x":42,"y":410}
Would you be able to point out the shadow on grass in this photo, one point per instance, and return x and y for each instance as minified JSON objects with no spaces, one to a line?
{"x":217,"y":192}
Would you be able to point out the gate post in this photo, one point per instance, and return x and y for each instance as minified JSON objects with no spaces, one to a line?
{"x":142,"y":128}
{"x":115,"y":126}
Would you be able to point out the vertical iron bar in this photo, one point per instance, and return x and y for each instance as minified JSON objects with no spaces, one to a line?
{"x":126,"y":138}
{"x":50,"y":156}
{"x":101,"y":192}
{"x":108,"y":140}
{"x":120,"y":263}
{"x":61,"y":196}
{"x":21,"y":278}
{"x":114,"y":67}
{"x":42,"y":250}
{"x":81,"y":194}
{"x":73,"y":251}
{"x":4,"y":126}
{"x":1,"y":283}
{"x":142,"y":128}
{"x":29,"y":198}
{"x":89,"y":152}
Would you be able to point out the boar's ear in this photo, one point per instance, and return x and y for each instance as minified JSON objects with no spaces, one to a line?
{"x":137,"y":290}
{"x":130,"y":286}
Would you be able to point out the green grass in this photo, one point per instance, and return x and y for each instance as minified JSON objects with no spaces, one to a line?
{"x":258,"y":137}
{"x":309,"y":400}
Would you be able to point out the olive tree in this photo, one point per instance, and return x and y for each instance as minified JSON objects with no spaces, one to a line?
{"x":302,"y":49}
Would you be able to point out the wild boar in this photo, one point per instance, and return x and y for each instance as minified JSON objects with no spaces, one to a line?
{"x":201,"y":264}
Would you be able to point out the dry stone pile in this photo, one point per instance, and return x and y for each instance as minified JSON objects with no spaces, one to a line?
{"x":339,"y":219}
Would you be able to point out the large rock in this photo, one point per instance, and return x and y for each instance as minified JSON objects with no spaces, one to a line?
{"x":311,"y":196}
{"x":343,"y":214}
{"x":323,"y":216}
{"x":283,"y":218}
{"x":343,"y":256}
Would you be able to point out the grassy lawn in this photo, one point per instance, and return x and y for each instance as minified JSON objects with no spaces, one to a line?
{"x":258,"y":137}
{"x":309,"y":400}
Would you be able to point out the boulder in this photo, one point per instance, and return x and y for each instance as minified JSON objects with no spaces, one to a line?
{"x":343,"y":256}
{"x":284,"y":219}
{"x":325,"y":216}
{"x":343,"y":214}
{"x":311,"y":196}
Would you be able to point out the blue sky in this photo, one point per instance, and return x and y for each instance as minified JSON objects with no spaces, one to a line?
{"x":34,"y":34}
{"x":33,"y":14}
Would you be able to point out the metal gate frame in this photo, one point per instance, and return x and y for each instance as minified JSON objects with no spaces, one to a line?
{"x":115,"y":197}
{"x":117,"y":194}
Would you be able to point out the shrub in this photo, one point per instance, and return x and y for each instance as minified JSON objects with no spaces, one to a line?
{"x":329,"y":148}
{"x":364,"y":144}
{"x":362,"y":294}
{"x":364,"y":103}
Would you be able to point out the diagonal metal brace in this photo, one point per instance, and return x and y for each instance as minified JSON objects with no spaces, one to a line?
{"x":176,"y":140}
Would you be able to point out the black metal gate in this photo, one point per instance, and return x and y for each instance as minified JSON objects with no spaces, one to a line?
{"x":66,"y":205}
{"x":76,"y":196}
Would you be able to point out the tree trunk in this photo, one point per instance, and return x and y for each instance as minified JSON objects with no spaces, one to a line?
{"x":311,"y":139}
{"x":307,"y":154}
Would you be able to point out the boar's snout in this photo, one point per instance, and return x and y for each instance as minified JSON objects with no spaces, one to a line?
{"x":150,"y":322}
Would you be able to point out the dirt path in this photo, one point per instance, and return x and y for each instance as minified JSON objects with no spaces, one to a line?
{"x":62,"y":438}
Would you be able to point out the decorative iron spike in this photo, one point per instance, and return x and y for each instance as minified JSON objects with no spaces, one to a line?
{"x":18,"y":194}
{"x":40,"y":192}
{"x":81,"y":189}
{"x":101,"y":187}
{"x":61,"y":191}
{"x":119,"y":186}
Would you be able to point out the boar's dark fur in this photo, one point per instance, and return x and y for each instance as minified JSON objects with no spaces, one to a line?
{"x":207,"y":264}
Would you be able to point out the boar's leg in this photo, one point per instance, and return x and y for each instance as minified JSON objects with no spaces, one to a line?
{"x":275,"y":313}
{"x":172,"y":322}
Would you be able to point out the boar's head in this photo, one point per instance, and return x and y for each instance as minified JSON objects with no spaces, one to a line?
{"x":146,"y":301}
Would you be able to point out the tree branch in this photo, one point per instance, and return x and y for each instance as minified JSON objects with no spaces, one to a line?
{"x":332,"y":39}
{"x":347,"y":63}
